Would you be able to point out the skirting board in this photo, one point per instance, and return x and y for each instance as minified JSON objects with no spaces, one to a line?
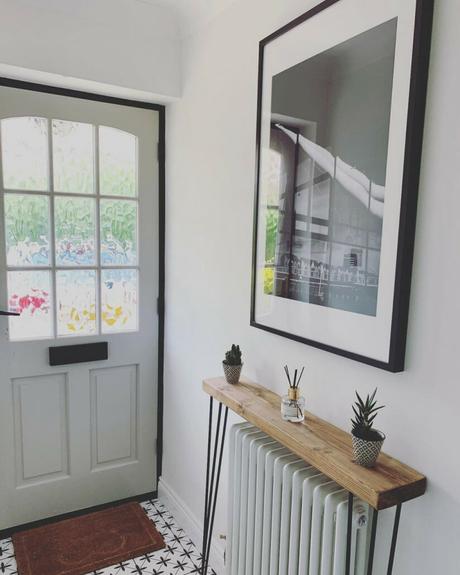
{"x":192,"y":526}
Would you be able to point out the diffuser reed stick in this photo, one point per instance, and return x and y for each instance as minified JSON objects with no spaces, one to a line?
{"x":292,"y":404}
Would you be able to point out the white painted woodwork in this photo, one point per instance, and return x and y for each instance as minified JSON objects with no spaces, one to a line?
{"x":80,"y":435}
{"x":114,"y":422}
{"x":41,"y":428}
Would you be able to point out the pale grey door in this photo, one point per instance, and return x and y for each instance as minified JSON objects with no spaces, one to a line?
{"x":78,"y":260}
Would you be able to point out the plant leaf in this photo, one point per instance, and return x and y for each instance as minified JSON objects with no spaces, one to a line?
{"x":360,"y":401}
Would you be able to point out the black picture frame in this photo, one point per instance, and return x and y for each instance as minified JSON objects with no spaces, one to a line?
{"x":409,"y":192}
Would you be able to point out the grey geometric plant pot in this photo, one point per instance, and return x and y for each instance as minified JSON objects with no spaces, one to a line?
{"x":232,"y":373}
{"x":365,"y":452}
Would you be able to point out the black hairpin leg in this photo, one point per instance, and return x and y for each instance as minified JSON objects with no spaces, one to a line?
{"x":394,"y":539}
{"x":349,"y":528}
{"x":212,"y":480}
{"x":208,"y":458}
{"x":370,"y":560}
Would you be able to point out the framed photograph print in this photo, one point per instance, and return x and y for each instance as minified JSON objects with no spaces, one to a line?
{"x":341,"y":101}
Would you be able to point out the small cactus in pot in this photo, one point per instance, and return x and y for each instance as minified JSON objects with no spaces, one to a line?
{"x":367,"y":441}
{"x":232,"y":364}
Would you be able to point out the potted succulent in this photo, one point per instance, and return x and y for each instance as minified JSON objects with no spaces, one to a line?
{"x":367,"y":441}
{"x":233,"y":364}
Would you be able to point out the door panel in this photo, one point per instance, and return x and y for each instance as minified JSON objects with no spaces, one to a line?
{"x":87,"y":267}
{"x":41,"y":436}
{"x":114,"y":419}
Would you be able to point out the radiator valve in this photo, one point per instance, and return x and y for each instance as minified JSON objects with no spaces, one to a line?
{"x":360,"y":516}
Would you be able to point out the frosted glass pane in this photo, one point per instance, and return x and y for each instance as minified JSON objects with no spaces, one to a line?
{"x":76,"y":302}
{"x":29,"y":294}
{"x":118,"y":232}
{"x":25,"y":153}
{"x":117,"y":162}
{"x":118,"y":300}
{"x":75,"y":231}
{"x":73,"y":157}
{"x":27,"y":230}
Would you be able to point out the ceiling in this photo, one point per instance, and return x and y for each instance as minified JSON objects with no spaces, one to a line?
{"x":189,"y":14}
{"x":192,"y":14}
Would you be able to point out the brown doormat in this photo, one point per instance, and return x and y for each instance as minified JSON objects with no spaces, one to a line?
{"x":84,"y":544}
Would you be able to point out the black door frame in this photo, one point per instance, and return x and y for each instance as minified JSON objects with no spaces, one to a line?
{"x":161,"y":109}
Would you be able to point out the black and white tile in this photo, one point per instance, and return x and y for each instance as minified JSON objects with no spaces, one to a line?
{"x":179,"y":557}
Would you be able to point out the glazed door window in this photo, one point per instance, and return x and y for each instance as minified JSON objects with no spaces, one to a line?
{"x":70,"y":205}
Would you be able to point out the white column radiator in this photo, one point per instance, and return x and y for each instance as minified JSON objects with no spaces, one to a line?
{"x":285,"y":517}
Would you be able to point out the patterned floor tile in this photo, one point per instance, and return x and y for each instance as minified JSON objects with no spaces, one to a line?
{"x":179,"y":557}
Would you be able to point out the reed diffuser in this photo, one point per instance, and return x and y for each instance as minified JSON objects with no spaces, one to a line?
{"x":293,"y":404}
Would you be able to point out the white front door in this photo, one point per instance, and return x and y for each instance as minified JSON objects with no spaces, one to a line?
{"x":79,"y":262}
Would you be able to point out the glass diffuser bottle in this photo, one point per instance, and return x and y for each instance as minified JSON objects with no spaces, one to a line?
{"x":293,"y":404}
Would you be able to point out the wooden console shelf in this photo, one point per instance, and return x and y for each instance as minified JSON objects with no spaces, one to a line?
{"x":321,"y":444}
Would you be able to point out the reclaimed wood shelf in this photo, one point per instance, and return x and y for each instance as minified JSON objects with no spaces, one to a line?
{"x":321,"y":444}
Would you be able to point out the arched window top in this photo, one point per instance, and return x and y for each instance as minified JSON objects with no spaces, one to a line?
{"x":27,"y":161}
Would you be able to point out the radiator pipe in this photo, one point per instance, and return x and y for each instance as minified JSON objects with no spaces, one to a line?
{"x":370,"y":562}
{"x":349,"y":528}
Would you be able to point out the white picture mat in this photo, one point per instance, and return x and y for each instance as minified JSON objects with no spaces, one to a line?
{"x":365,"y":335}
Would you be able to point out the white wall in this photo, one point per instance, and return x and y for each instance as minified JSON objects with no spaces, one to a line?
{"x":124,"y":43}
{"x":211,"y":139}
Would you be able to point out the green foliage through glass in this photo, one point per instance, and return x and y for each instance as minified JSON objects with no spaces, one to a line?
{"x":27,"y":229}
{"x":118,"y":232}
{"x":75,"y":230}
